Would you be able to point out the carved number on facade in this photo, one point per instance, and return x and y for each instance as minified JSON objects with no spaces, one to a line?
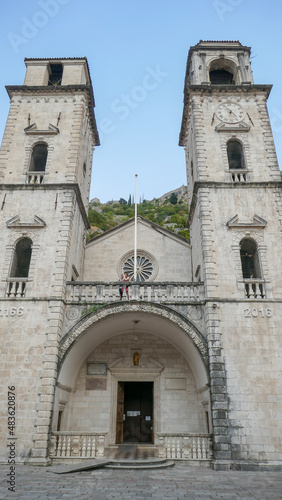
{"x":11,"y":311}
{"x":254,"y":312}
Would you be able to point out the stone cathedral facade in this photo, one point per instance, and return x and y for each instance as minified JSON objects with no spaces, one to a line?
{"x":187,"y":363}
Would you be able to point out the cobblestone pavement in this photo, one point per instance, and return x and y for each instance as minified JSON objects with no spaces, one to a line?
{"x":178,"y":482}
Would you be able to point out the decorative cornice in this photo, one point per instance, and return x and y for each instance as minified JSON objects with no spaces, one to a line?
{"x":209,"y":89}
{"x":60,"y":89}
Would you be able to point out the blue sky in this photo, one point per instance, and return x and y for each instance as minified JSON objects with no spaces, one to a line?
{"x":125,"y":41}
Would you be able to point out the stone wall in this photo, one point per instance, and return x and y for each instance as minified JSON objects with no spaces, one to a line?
{"x":252,"y":353}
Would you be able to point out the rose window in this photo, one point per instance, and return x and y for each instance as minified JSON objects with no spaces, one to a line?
{"x":146,"y":268}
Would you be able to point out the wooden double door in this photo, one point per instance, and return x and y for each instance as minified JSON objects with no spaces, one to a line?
{"x":135,"y":412}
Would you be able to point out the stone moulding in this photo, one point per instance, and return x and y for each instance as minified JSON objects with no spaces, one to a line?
{"x":15,"y":222}
{"x":33,"y":130}
{"x":59,"y":90}
{"x":158,"y":310}
{"x":257,"y":222}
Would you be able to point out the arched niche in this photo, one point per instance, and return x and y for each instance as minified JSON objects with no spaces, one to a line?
{"x":223,"y":71}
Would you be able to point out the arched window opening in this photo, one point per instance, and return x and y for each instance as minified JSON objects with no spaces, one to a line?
{"x":21,"y":260}
{"x":235,"y":155}
{"x":249,"y":259}
{"x":38,"y":158}
{"x":221,"y":77}
{"x":56,"y":74}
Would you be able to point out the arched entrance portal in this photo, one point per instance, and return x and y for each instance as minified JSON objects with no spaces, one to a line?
{"x":132,"y":373}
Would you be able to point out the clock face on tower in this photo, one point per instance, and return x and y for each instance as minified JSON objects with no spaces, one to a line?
{"x":230,"y":112}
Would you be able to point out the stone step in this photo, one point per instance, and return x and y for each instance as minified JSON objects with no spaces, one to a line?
{"x":131,"y":451}
{"x":152,"y":463}
{"x":157,"y":463}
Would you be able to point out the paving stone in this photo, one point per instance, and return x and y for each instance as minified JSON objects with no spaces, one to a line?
{"x":180,"y":483}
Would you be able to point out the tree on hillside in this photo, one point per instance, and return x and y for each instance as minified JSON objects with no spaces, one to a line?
{"x":173,"y":199}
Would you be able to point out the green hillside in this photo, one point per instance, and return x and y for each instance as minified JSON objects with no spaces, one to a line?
{"x":169,"y":211}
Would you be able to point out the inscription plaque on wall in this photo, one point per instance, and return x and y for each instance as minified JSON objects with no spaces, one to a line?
{"x":97,"y":369}
{"x":175,"y":384}
{"x":96,"y":384}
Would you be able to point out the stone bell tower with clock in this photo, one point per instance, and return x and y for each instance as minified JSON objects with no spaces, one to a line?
{"x":235,"y":217}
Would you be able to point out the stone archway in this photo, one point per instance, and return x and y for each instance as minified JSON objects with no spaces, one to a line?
{"x":186,"y":335}
{"x":160,"y":329}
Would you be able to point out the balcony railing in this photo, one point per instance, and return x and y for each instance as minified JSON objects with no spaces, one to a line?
{"x":185,"y":446}
{"x":84,"y":445}
{"x":77,"y":444}
{"x":16,"y":287}
{"x":34,"y":177}
{"x":254,"y":288}
{"x":104,"y":293}
{"x":239,"y":175}
{"x":101,"y":292}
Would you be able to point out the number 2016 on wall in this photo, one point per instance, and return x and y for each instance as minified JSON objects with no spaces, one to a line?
{"x":261,"y":312}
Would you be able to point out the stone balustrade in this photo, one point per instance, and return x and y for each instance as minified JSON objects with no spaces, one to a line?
{"x":102,"y":292}
{"x":16,"y":287}
{"x":239,"y":175}
{"x":85,"y":445}
{"x":34,"y":178}
{"x":67,"y":444}
{"x":254,"y":288}
{"x":185,"y":446}
{"x":106,"y":292}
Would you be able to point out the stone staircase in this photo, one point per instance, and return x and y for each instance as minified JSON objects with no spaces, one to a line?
{"x":135,"y":456}
{"x":124,"y":456}
{"x":153,"y":463}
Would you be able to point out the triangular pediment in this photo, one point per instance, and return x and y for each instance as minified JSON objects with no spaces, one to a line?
{"x":142,"y":221}
{"x":15,"y":222}
{"x":33,"y":130}
{"x":257,"y":222}
{"x":238,"y":127}
{"x":31,"y":127}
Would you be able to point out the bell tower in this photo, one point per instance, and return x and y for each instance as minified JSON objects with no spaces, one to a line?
{"x":235,"y":217}
{"x":45,"y":170}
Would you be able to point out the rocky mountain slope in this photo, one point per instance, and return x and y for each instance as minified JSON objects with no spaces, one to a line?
{"x":169,"y":211}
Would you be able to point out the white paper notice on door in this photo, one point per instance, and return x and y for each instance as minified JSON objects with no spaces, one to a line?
{"x":133,"y":413}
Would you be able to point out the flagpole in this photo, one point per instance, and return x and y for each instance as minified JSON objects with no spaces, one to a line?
{"x":135,"y":232}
